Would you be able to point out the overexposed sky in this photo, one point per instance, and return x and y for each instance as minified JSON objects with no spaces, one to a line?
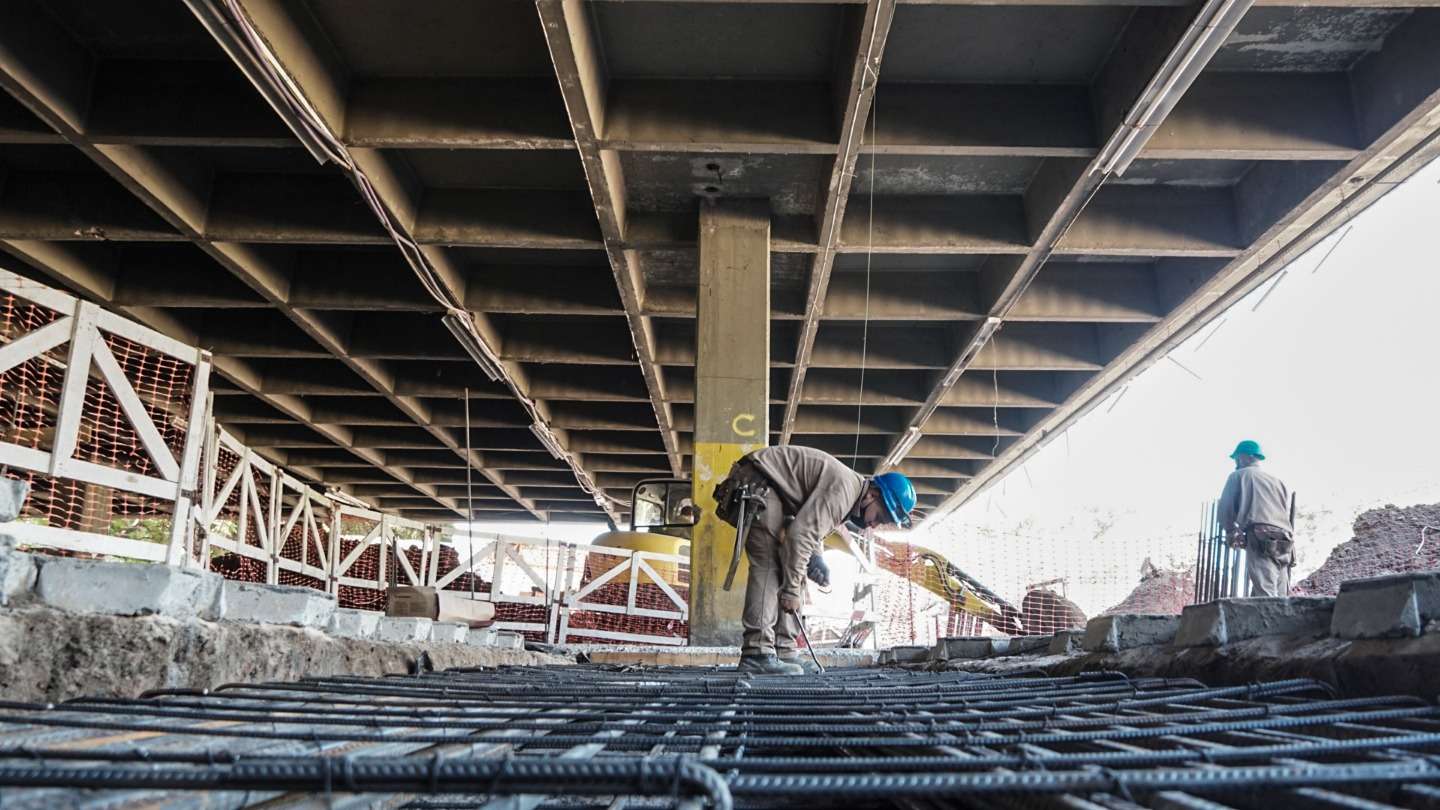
{"x":1335,"y":373}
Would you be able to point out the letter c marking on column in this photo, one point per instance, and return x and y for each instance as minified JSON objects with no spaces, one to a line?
{"x":746,"y":418}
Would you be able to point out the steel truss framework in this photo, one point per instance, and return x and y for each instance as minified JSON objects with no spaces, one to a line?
{"x":692,"y":737}
{"x":544,"y":161}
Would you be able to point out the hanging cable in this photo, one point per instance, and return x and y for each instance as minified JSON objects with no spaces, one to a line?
{"x":469,"y":503}
{"x":869,"y":254}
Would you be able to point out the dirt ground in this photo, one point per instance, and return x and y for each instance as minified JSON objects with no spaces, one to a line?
{"x":1387,"y":540}
{"x":1160,"y":590}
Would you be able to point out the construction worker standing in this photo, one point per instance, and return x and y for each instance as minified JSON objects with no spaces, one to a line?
{"x":1257,"y":514}
{"x":807,"y":493}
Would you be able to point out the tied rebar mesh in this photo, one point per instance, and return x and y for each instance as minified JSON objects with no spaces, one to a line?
{"x":685,"y":737}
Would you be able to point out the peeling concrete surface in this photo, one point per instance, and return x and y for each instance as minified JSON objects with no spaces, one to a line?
{"x":1312,"y":39}
{"x":50,"y":655}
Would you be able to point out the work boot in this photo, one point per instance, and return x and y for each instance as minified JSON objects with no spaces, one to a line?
{"x":766,"y":664}
{"x":800,"y":660}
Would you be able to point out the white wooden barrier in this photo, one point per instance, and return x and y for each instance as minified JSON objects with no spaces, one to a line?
{"x":227,"y":498}
{"x":84,"y":326}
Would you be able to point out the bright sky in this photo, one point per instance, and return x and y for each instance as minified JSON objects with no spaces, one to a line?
{"x":1334,"y":373}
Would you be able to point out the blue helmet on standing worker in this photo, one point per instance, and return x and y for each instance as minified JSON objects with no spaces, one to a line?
{"x":1248,"y":447}
{"x":898,"y":494}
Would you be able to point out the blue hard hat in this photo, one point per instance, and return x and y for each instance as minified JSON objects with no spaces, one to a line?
{"x":1249,"y":447}
{"x":898,"y":494}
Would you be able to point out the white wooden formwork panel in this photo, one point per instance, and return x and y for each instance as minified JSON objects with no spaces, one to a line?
{"x":82,"y":325}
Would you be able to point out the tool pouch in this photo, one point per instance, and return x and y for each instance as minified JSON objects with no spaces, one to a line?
{"x":739,"y":500}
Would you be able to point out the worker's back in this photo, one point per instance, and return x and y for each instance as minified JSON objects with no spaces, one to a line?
{"x":799,"y":472}
{"x":1257,"y":497}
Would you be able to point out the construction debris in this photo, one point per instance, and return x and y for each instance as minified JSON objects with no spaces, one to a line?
{"x":1388,"y":540}
{"x":1161,"y":591}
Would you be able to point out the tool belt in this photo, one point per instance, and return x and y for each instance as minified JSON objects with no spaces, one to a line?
{"x":739,"y":499}
{"x":1272,"y":542}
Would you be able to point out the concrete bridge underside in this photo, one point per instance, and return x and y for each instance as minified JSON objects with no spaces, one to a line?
{"x":934,"y":217}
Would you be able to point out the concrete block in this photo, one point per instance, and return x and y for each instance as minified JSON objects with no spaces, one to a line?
{"x":351,"y":623}
{"x":17,"y":570}
{"x":403,"y":628}
{"x":12,"y":498}
{"x":1065,"y":642}
{"x":1126,"y":631}
{"x":480,"y":637}
{"x":452,"y":632}
{"x":130,"y":589}
{"x":961,"y":647}
{"x":507,"y":640}
{"x":1397,"y":606}
{"x":910,"y":655}
{"x":886,"y":657}
{"x":254,"y":603}
{"x":1225,"y":621}
{"x":1024,"y":645}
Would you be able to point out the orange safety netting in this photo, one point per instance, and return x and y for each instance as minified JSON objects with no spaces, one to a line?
{"x":30,"y":395}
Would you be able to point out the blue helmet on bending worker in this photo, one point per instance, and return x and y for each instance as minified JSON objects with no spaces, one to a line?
{"x":898,"y":494}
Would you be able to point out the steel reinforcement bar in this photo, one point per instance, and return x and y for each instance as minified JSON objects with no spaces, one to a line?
{"x":684,"y":737}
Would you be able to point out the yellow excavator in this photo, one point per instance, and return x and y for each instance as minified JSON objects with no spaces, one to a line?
{"x":662,"y":520}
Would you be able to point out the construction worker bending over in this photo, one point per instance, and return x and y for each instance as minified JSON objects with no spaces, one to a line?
{"x":808,"y":494}
{"x":1257,"y":513}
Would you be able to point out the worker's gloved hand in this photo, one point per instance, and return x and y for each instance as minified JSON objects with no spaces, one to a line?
{"x":817,"y":571}
{"x":790,"y":604}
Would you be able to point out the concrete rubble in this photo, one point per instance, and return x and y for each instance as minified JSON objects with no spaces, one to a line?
{"x":12,"y":498}
{"x":1379,"y":636}
{"x":1224,"y":621}
{"x":1117,"y":632}
{"x":403,"y":628}
{"x":129,"y":589}
{"x":75,"y":627}
{"x":449,"y":632}
{"x":1395,"y":606}
{"x":17,"y":571}
{"x":351,"y":623}
{"x":277,"y":604}
{"x":1065,"y":642}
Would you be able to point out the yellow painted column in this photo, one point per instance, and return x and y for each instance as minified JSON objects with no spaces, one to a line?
{"x":732,"y":395}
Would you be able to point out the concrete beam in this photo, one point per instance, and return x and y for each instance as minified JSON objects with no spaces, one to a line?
{"x":294,"y":41}
{"x":1409,"y":143}
{"x":73,"y":270}
{"x":455,"y":113}
{"x":43,"y":68}
{"x":580,"y":69}
{"x":1064,"y":191}
{"x":857,"y":89}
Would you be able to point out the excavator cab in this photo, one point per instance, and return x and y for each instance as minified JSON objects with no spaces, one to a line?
{"x":663,"y":506}
{"x":662,"y":521}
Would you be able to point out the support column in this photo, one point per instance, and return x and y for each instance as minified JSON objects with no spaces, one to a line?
{"x":732,"y":395}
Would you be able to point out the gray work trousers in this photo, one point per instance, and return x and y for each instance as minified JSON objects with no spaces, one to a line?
{"x":1269,"y":556}
{"x":768,"y":629}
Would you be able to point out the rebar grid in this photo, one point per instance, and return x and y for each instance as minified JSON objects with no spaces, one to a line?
{"x":686,"y":737}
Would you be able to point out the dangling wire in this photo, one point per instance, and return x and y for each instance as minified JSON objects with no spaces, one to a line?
{"x":869,"y":253}
{"x":995,"y":405}
{"x":469,"y":503}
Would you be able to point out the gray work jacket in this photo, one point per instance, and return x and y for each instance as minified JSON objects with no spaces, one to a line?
{"x":818,"y":492}
{"x":1252,"y":495}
